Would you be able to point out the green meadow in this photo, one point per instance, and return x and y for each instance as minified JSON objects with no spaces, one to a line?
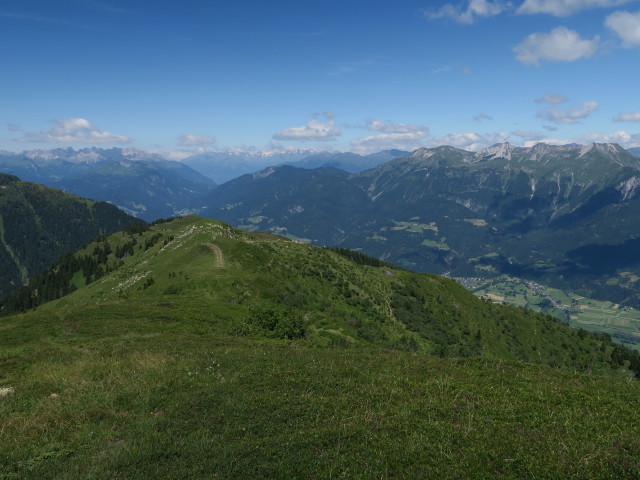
{"x":214,"y":353}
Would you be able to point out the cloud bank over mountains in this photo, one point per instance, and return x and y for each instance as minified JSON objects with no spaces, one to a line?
{"x":72,"y":131}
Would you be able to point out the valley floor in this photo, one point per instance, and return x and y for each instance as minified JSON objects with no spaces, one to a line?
{"x":622,"y":323}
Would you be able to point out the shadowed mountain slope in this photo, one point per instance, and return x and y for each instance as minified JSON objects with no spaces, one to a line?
{"x":39,"y":224}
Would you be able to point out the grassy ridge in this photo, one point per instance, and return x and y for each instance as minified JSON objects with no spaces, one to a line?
{"x":136,"y":375}
{"x":206,"y":267}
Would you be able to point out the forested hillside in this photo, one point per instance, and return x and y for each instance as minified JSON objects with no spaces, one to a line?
{"x":39,"y":224}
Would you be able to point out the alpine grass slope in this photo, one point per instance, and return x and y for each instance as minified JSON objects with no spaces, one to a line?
{"x":200,"y":351}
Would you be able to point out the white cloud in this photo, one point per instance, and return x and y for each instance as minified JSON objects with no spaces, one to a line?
{"x":550,"y":128}
{"x":570,"y":116}
{"x":528,"y":135}
{"x":392,"y":127}
{"x":190,"y":140}
{"x":385,"y":141}
{"x":482,"y":116}
{"x":628,"y":117}
{"x":443,"y":69}
{"x":314,"y":130}
{"x":475,"y":9}
{"x":559,"y":45}
{"x":626,"y":140}
{"x":12,"y":127}
{"x":548,"y":141}
{"x":563,"y":8}
{"x":626,"y":25}
{"x":177,"y":155}
{"x":74,"y":130}
{"x":394,"y":135}
{"x":552,"y":98}
{"x":470,"y":141}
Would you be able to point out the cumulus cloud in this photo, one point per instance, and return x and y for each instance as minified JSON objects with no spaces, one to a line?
{"x":628,"y":117}
{"x":482,"y":116}
{"x":552,"y":98}
{"x":626,"y":25}
{"x":314,"y":130}
{"x":569,"y":116}
{"x":548,"y":141}
{"x":564,"y":8}
{"x":625,"y":139}
{"x":392,"y":135}
{"x":534,"y":136}
{"x":190,"y":140}
{"x":178,"y":155}
{"x":622,"y":138}
{"x":474,"y":9}
{"x":469,"y":140}
{"x":392,"y":127}
{"x":559,"y":45}
{"x":74,"y":130}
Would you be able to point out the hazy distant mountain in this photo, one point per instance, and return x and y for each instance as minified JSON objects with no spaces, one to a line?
{"x":225,"y":166}
{"x":320,"y":204}
{"x":566,"y":214}
{"x":38,"y":224}
{"x":143,"y":184}
{"x":635,"y":151}
{"x":146,"y":189}
{"x":349,"y":162}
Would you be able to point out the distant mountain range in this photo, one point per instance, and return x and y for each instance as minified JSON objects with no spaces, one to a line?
{"x":564,"y":214}
{"x":225,"y":166}
{"x":142,"y":184}
{"x":39,"y":224}
{"x":149,"y":186}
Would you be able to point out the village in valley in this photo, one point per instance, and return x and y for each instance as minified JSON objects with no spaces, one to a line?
{"x":619,"y":321}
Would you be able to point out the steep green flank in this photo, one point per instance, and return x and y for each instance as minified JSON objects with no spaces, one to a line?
{"x":38,"y":224}
{"x":197,"y":268}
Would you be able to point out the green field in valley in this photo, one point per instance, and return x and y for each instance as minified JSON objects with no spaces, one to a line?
{"x":622,"y":323}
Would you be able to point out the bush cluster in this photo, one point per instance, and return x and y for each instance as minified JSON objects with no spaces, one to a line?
{"x":271,"y":322}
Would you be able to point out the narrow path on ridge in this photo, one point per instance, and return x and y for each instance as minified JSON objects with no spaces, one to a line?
{"x":218,"y":253}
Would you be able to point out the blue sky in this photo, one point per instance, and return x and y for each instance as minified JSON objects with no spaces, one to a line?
{"x":183,"y":77}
